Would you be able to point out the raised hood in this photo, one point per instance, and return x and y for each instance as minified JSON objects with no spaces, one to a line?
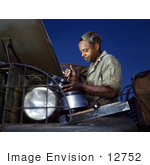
{"x":28,"y":44}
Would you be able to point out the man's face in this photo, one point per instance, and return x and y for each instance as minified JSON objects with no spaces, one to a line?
{"x":88,"y":51}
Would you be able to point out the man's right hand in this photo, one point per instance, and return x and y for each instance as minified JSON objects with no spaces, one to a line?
{"x":70,"y":74}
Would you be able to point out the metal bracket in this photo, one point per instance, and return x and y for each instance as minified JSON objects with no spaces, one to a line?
{"x":7,"y":45}
{"x":104,"y":110}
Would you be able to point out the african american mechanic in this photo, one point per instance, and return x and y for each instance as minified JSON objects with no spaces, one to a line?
{"x":103,"y":82}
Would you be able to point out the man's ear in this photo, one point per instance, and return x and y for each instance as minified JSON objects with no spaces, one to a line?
{"x":96,"y":46}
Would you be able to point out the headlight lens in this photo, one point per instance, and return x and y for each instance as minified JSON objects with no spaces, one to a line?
{"x":40,"y":97}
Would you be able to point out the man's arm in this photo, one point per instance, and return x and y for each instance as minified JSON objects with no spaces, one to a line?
{"x":102,"y":91}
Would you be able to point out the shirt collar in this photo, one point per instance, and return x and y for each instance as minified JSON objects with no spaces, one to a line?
{"x":92,"y":67}
{"x":101,"y":56}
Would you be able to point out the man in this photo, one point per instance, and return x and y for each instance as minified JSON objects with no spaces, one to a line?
{"x":103,"y":82}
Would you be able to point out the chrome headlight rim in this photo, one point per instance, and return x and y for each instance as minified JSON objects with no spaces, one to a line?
{"x":49,"y":108}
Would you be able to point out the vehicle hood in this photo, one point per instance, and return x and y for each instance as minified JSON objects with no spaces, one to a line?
{"x":29,"y":43}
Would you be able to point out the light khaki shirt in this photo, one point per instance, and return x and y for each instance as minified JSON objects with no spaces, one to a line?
{"x":105,"y":72}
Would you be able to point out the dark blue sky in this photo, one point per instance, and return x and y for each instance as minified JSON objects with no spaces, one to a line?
{"x":126,"y":39}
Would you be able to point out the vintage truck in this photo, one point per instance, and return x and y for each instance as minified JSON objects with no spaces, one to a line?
{"x":31,"y":98}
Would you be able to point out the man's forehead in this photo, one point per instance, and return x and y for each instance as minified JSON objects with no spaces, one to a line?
{"x":84,"y":45}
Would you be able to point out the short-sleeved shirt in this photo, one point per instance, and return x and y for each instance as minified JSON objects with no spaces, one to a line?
{"x":105,"y":72}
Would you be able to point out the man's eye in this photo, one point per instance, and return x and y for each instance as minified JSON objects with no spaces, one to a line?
{"x":85,"y":50}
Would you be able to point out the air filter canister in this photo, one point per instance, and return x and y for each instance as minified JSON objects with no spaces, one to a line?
{"x":76,"y":99}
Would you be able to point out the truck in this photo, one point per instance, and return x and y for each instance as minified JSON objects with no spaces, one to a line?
{"x":31,"y":97}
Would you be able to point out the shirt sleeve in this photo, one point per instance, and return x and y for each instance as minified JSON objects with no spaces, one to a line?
{"x":112,"y":75}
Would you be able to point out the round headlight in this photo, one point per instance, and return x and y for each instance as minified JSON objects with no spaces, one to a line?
{"x":39,"y":100}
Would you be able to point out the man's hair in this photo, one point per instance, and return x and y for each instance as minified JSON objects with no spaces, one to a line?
{"x":91,"y":37}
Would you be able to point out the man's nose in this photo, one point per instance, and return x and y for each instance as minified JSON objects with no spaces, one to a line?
{"x":83,"y":54}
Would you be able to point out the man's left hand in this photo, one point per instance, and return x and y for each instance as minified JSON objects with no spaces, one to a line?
{"x":73,"y":86}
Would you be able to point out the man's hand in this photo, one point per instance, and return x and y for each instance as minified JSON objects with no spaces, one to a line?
{"x":73,"y":86}
{"x":70,"y":74}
